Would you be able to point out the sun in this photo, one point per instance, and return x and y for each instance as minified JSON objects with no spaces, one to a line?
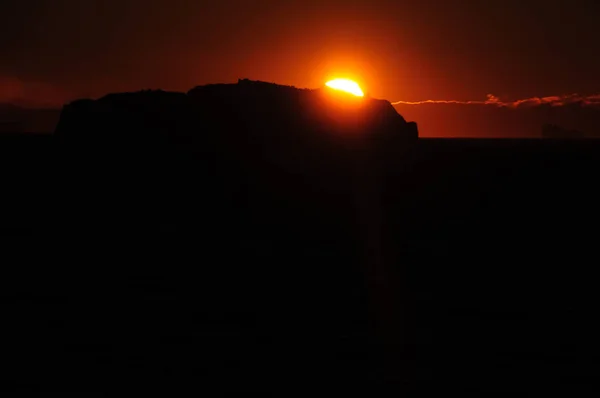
{"x":346,"y":85}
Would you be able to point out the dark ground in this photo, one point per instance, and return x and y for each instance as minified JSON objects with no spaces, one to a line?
{"x":158,"y":276}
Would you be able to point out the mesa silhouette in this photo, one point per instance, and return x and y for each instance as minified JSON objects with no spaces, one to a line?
{"x":251,"y":110}
{"x":255,"y":153}
{"x":249,"y":198}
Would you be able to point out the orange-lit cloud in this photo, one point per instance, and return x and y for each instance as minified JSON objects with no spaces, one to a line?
{"x":589,"y":100}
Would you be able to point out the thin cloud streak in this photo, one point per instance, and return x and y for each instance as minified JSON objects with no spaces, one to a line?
{"x":588,"y":100}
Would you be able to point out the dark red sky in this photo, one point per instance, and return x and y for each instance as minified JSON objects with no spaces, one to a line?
{"x":398,"y":50}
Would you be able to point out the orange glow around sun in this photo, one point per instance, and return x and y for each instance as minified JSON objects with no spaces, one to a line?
{"x":346,"y":85}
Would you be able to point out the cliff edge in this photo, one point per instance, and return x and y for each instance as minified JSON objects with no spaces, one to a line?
{"x":248,"y":110}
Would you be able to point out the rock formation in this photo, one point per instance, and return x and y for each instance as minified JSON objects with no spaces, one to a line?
{"x":248,"y":110}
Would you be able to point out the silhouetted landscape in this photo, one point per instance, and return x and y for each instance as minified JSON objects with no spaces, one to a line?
{"x":512,"y":121}
{"x":17,"y":119}
{"x":253,"y":237}
{"x":554,"y":131}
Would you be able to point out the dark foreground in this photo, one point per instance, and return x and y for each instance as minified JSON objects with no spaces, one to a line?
{"x":467,"y":266}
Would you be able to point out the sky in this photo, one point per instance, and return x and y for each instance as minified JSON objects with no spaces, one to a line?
{"x":399,"y":50}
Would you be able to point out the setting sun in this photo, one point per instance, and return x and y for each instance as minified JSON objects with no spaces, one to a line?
{"x":346,"y":85}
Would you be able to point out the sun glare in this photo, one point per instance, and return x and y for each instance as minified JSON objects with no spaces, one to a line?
{"x":346,"y":85}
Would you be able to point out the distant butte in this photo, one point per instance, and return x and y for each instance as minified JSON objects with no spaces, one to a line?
{"x":246,"y":110}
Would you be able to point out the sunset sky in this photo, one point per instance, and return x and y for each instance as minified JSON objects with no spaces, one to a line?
{"x":55,"y":50}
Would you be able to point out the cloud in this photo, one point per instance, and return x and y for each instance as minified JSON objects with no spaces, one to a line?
{"x":31,"y":93}
{"x":557,"y":100}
